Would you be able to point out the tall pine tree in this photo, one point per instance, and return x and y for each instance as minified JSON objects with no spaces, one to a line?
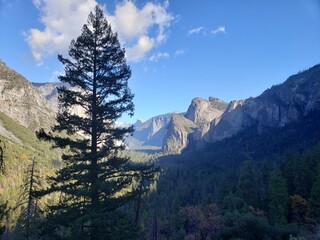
{"x":314,"y":199}
{"x":247,"y":187}
{"x":96,"y":178}
{"x":278,"y":198}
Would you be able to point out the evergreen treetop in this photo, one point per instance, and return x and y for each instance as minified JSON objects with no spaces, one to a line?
{"x":95,"y":178}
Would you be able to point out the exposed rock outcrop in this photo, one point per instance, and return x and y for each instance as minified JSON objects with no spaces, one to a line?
{"x":150,"y":132}
{"x":202,"y":111}
{"x":193,"y":125}
{"x":50,"y":93}
{"x":21,"y":101}
{"x":176,"y":136}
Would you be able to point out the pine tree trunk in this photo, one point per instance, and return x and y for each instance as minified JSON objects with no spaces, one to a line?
{"x":94,"y":160}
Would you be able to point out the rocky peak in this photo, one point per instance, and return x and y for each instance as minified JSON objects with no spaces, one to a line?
{"x":150,"y":132}
{"x":193,"y":125}
{"x":233,"y":104}
{"x":203,"y":111}
{"x":49,"y":91}
{"x":138,"y":123}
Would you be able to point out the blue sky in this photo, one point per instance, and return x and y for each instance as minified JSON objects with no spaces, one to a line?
{"x":177,"y":49}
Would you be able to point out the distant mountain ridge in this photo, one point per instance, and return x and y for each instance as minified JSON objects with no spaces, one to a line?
{"x":170,"y":131}
{"x":50,"y":93}
{"x":150,"y":132}
{"x":206,"y":120}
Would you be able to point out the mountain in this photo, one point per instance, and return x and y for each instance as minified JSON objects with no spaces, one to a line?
{"x":21,"y":101}
{"x":274,"y":108}
{"x":20,"y":146}
{"x":193,"y":124}
{"x":23,"y":109}
{"x":150,"y":132}
{"x":202,"y":111}
{"x":205,"y":121}
{"x":176,"y":135}
{"x":171,"y":131}
{"x":50,"y":93}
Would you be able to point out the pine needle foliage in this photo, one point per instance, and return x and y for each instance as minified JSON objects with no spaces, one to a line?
{"x":96,"y":178}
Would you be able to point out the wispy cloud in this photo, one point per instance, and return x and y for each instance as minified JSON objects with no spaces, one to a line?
{"x":179,"y":52}
{"x":157,"y":56}
{"x":195,"y":30}
{"x":140,"y":30}
{"x":55,"y":75}
{"x":220,"y":29}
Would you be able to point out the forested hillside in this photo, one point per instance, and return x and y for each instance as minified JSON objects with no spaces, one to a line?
{"x":267,"y":191}
{"x":20,"y":152}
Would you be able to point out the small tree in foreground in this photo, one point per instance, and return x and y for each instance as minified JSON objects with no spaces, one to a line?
{"x":95,"y":179}
{"x":2,"y":206}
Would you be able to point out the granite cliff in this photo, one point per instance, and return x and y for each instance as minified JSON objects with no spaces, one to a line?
{"x":193,"y":124}
{"x":150,"y":132}
{"x":21,"y":101}
{"x":274,"y":108}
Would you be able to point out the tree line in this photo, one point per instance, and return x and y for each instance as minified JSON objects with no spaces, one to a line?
{"x":269,"y":199}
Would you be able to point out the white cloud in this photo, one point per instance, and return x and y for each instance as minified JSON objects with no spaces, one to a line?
{"x":139,"y":29}
{"x":220,"y":29}
{"x":137,"y":51}
{"x":134,"y":25}
{"x":62,"y":22}
{"x":195,"y":30}
{"x":157,"y":56}
{"x":179,"y":52}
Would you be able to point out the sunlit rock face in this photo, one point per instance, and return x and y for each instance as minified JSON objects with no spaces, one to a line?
{"x":150,"y":132}
{"x":49,"y":92}
{"x":193,"y":124}
{"x":21,"y":101}
{"x":202,"y":111}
